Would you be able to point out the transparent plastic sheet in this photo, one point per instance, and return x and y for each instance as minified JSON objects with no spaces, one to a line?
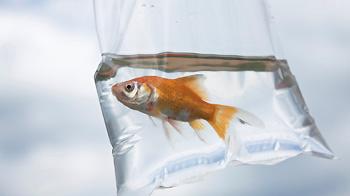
{"x":231,"y":46}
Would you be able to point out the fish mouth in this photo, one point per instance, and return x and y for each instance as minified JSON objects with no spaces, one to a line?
{"x":116,"y":89}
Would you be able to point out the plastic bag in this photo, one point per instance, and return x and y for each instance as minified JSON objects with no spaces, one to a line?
{"x":190,"y":87}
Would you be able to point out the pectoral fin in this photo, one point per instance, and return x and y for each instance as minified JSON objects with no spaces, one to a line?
{"x":175,"y":125}
{"x":167,"y":129}
{"x":151,"y":119}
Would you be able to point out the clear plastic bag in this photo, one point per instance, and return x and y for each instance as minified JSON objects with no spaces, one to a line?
{"x":190,"y":87}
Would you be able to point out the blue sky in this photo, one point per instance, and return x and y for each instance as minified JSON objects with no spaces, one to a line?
{"x":53,"y":140}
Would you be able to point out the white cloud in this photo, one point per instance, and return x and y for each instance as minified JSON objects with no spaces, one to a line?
{"x":50,"y":59}
{"x":59,"y":170}
{"x":41,"y":54}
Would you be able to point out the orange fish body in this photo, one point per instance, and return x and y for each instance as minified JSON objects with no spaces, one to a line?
{"x":181,"y":99}
{"x":177,"y":101}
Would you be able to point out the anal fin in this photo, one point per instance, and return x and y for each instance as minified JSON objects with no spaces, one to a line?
{"x":198,"y":126}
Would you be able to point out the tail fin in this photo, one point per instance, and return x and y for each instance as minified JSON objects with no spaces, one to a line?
{"x":222,"y":118}
{"x":224,"y":114}
{"x":249,"y":118}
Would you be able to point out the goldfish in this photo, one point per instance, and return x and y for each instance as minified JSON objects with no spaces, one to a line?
{"x":180,"y":99}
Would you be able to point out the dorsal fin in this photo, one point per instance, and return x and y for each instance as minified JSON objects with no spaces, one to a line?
{"x":195,"y":83}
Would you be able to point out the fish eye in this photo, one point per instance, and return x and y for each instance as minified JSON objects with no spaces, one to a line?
{"x":129,"y":87}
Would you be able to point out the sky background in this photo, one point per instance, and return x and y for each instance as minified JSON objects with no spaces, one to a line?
{"x":52,"y":135}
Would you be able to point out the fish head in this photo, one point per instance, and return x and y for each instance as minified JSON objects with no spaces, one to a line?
{"x":133,"y":93}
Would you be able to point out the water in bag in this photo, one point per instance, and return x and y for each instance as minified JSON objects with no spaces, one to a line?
{"x":150,"y":151}
{"x":189,"y":87}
